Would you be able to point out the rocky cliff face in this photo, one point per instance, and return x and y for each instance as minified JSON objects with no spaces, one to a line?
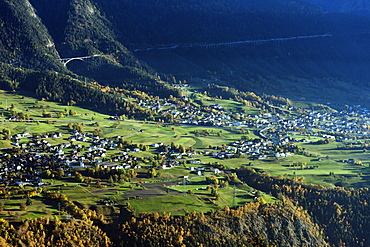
{"x":251,"y":225}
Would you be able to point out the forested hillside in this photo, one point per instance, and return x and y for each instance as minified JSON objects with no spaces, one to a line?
{"x":34,"y":39}
{"x":251,"y":225}
{"x":80,"y":29}
{"x":129,"y":37}
{"x":270,"y":67}
{"x":172,"y":22}
{"x":25,"y":41}
{"x":340,"y":213}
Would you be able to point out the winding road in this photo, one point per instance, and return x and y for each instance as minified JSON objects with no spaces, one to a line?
{"x":233,"y":43}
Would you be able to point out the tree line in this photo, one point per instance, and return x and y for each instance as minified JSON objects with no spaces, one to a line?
{"x":341,"y":214}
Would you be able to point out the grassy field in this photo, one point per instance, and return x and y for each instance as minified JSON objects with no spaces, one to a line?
{"x":152,"y":133}
{"x":39,"y":208}
{"x":321,"y":166}
{"x":200,"y":200}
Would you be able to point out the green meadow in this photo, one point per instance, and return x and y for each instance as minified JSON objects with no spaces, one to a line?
{"x":319,"y":165}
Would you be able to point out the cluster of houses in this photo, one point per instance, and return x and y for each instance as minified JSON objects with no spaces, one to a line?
{"x":32,"y":155}
{"x":256,"y":149}
{"x":349,"y":124}
{"x":343,"y":123}
{"x":346,"y":122}
{"x":213,"y":115}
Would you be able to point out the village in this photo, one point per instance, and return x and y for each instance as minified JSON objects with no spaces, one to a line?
{"x":33,"y":157}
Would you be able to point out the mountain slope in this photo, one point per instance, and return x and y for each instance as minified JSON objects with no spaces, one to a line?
{"x":251,"y":225}
{"x":151,"y":26}
{"x":71,"y":29}
{"x":24,"y":39}
{"x":346,"y":6}
{"x":132,"y":39}
{"x":80,"y":29}
{"x":192,"y":21}
{"x":271,"y":67}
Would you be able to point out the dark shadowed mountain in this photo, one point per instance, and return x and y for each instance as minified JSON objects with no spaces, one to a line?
{"x":345,"y":6}
{"x":24,"y":39}
{"x":267,"y":46}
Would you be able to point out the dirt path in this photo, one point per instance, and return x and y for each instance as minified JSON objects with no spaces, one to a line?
{"x":153,"y":190}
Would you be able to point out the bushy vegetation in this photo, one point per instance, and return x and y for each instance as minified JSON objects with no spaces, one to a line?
{"x":340,"y":213}
{"x":251,"y":225}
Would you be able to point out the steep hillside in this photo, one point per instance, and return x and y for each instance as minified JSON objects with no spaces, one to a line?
{"x":341,"y":214}
{"x":280,"y":44}
{"x":35,"y":38}
{"x":80,"y":29}
{"x":24,"y":39}
{"x":251,"y":225}
{"x":164,"y":22}
{"x":171,"y":37}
